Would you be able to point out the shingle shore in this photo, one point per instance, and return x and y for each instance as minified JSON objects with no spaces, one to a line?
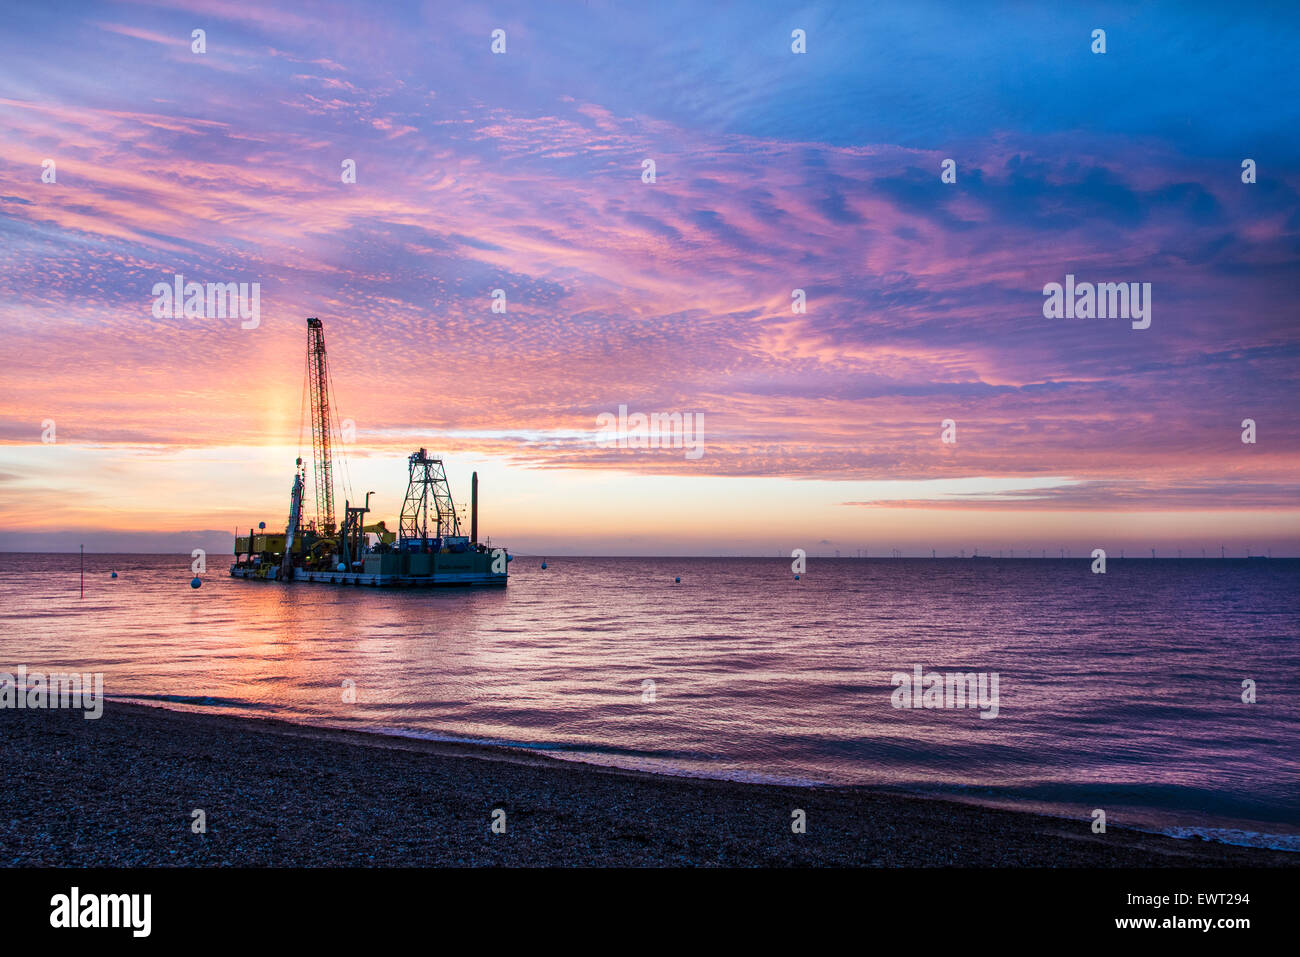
{"x":120,"y":791}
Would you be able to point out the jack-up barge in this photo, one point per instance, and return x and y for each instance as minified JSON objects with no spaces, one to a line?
{"x":428,"y":550}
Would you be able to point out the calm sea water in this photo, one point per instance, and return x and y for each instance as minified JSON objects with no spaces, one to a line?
{"x":1119,"y":691}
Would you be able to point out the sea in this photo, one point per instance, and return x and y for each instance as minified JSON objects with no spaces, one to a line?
{"x":1164,"y":692}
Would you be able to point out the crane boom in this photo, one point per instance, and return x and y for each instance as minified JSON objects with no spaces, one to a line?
{"x":318,"y":384}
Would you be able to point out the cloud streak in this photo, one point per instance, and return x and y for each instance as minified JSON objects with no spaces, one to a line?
{"x":523,"y":173}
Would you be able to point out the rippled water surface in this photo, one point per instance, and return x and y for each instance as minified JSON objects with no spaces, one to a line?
{"x":1119,"y":691}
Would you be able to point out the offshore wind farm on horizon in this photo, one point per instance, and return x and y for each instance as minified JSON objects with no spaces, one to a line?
{"x":833,"y":437}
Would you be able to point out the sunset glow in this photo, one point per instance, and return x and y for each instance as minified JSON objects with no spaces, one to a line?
{"x":523,"y":173}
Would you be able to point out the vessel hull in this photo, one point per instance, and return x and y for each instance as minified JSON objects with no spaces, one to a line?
{"x":437,"y":580}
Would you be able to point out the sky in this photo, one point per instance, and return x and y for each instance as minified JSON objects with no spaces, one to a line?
{"x":774,"y":171}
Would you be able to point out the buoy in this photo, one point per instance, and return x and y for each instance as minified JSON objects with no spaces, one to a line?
{"x":679,"y":579}
{"x":543,"y":566}
{"x":114,"y":574}
{"x":196,"y":581}
{"x":796,"y":577}
{"x":342,"y":567}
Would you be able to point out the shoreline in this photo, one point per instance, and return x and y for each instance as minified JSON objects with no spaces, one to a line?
{"x":548,"y":756}
{"x":121,"y":791}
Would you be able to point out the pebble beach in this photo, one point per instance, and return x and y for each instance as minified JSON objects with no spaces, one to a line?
{"x":121,"y":791}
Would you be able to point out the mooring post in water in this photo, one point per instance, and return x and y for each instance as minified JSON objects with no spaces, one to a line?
{"x":83,"y":571}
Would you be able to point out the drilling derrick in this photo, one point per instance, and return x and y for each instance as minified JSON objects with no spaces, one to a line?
{"x":318,"y":384}
{"x":427,"y":487}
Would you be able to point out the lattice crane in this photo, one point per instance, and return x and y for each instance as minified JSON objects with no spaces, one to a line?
{"x":318,"y":385}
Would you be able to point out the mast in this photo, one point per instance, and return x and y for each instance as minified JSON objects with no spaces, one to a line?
{"x":473,"y":509}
